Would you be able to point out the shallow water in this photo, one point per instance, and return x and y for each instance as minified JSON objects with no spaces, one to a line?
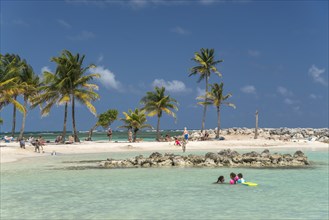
{"x":100,"y":135}
{"x":54,"y":188}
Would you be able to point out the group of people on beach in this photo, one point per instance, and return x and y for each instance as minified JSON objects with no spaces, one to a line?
{"x":234,"y":179}
{"x":184,"y":142}
{"x":38,"y":143}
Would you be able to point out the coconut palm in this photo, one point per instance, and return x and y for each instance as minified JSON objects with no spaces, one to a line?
{"x":206,"y":65}
{"x":157,"y":102}
{"x":30,"y":87}
{"x":215,"y":97}
{"x":134,"y":120}
{"x":54,"y":91}
{"x":10,"y":84}
{"x":105,"y":120}
{"x":78,"y":82}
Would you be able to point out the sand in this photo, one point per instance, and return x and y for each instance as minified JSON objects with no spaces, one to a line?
{"x":11,"y":152}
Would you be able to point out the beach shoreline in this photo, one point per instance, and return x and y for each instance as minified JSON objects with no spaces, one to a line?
{"x":11,"y":152}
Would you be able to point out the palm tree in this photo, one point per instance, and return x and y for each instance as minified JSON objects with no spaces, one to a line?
{"x":54,"y":91}
{"x":206,"y":65}
{"x":18,"y":63}
{"x":215,"y":97}
{"x":134,"y":120}
{"x":157,"y":102}
{"x":105,"y":120}
{"x":10,"y":84}
{"x":78,"y":82}
{"x":31,"y":80}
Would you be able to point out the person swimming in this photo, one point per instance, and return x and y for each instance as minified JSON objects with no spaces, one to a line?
{"x":240,"y":180}
{"x":233,"y":177}
{"x":220,"y":179}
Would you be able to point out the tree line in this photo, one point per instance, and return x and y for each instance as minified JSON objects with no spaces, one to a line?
{"x":71,"y":82}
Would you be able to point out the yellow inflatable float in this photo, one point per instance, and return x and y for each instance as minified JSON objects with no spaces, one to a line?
{"x":250,"y":184}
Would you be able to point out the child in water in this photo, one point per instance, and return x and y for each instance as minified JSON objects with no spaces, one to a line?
{"x":240,"y":180}
{"x":233,"y":177}
{"x":220,"y":179}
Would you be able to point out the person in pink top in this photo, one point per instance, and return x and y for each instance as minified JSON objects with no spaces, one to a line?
{"x":234,"y":178}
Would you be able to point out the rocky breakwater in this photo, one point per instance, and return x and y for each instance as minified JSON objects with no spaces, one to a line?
{"x":224,"y":158}
{"x":284,"y":134}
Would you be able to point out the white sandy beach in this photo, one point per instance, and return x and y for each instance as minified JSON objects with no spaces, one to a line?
{"x":11,"y":152}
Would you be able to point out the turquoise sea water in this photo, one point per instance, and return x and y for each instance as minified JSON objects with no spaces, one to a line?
{"x":100,"y":135}
{"x":61,"y":187}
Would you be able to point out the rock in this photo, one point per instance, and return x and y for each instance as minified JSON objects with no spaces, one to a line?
{"x":155,"y":155}
{"x":275,"y":157}
{"x":265,"y":153}
{"x":228,"y":153}
{"x":323,"y":139}
{"x":166,"y":163}
{"x":195,"y":159}
{"x":225,"y":157}
{"x":209,"y":163}
{"x":298,"y":136}
{"x":299,"y":154}
{"x":213,"y":156}
{"x":251,"y":154}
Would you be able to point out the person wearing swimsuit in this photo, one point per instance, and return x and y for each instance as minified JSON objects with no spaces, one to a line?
{"x":185,"y":133}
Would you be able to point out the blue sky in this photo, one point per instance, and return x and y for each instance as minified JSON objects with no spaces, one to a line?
{"x":275,"y":56}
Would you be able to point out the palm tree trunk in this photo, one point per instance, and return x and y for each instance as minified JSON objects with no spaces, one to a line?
{"x":158,"y":129}
{"x":14,"y":120}
{"x":205,"y":107}
{"x":64,"y":127}
{"x":24,"y":119}
{"x":218,"y":122}
{"x":91,"y":131}
{"x":256,"y":127}
{"x":75,"y":133}
{"x":135,"y":135}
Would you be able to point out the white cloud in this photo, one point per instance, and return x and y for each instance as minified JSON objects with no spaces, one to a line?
{"x":207,"y":2}
{"x":312,"y":96}
{"x":100,"y":58}
{"x":287,"y":95}
{"x":20,"y":22}
{"x":284,"y":92}
{"x":64,"y":23}
{"x":180,"y":30}
{"x":297,"y":110}
{"x":134,"y":4}
{"x":249,"y":89}
{"x":200,"y":92}
{"x":289,"y":101}
{"x":254,"y":53}
{"x":84,"y":35}
{"x":138,"y":3}
{"x":175,"y":86}
{"x":316,"y":74}
{"x":45,"y":68}
{"x":107,"y":78}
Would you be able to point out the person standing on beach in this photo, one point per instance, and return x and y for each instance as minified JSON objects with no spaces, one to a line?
{"x":109,"y":134}
{"x":185,"y":134}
